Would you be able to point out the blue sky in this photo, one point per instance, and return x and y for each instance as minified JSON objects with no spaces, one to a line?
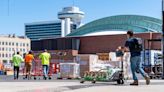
{"x":26,"y":11}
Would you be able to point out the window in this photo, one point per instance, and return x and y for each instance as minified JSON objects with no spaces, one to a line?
{"x":12,"y":43}
{"x":4,"y":61}
{"x":10,"y":55}
{"x":6,"y":43}
{"x":9,"y":43}
{"x":17,"y":50}
{"x":23,"y":44}
{"x":27,"y":44}
{"x":3,"y":49}
{"x":2,"y":55}
{"x":16,"y":44}
{"x":2,"y":43}
{"x":9,"y":49}
{"x":6,"y":55}
{"x":20,"y":44}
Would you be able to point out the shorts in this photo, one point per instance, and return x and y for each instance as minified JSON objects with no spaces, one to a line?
{"x":28,"y":67}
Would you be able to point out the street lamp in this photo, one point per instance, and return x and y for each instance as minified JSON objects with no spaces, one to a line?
{"x":163,"y":37}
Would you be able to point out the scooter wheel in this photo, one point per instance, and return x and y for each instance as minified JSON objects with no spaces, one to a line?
{"x":120,"y":81}
{"x":82,"y":82}
{"x":94,"y":81}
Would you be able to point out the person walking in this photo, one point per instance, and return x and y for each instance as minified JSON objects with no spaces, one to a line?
{"x":132,"y":45}
{"x":17,"y":59}
{"x":119,"y":56}
{"x":45,"y":59}
{"x":28,"y":64}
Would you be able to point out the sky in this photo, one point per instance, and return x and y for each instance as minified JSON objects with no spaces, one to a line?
{"x":16,"y":13}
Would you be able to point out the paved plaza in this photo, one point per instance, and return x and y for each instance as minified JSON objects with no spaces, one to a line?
{"x":7,"y":84}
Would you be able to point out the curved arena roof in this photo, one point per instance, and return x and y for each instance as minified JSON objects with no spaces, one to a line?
{"x":137,"y":23}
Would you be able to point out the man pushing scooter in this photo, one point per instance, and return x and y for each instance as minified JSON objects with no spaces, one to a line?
{"x":133,"y":45}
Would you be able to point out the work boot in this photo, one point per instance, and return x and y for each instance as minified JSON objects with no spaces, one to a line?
{"x":26,"y":77}
{"x":147,"y":78}
{"x":135,"y":83}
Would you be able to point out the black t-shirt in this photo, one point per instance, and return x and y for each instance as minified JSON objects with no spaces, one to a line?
{"x":130,"y":44}
{"x":119,"y":53}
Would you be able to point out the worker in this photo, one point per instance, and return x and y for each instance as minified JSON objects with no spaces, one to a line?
{"x":119,"y":53}
{"x":17,"y":59}
{"x":28,"y":64}
{"x":45,"y":59}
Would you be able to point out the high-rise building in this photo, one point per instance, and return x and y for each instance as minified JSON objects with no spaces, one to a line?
{"x":43,"y":30}
{"x":70,"y":16}
{"x":10,"y":44}
{"x":70,"y":19}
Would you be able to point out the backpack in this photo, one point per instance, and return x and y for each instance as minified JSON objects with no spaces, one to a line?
{"x":138,"y":44}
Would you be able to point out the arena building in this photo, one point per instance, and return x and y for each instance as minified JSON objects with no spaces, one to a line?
{"x":92,"y":43}
{"x":119,"y":24}
{"x":104,"y":35}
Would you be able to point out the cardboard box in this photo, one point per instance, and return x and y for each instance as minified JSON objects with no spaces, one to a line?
{"x":86,"y":62}
{"x":103,"y":56}
{"x":10,"y":72}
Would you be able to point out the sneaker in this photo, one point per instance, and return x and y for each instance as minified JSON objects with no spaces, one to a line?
{"x":26,"y":77}
{"x":147,"y":78}
{"x":137,"y":71}
{"x":45,"y":78}
{"x":135,"y":83}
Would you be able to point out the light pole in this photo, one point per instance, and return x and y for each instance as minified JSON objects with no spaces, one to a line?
{"x":163,"y":38}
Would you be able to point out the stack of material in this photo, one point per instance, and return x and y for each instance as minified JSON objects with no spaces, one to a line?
{"x":59,"y":56}
{"x":151,"y":57}
{"x":10,"y":72}
{"x":101,"y":75}
{"x":64,"y":54}
{"x":103,"y":56}
{"x":117,"y":63}
{"x":112,"y":56}
{"x":86,"y":62}
{"x":69,"y":70}
{"x":126,"y":67}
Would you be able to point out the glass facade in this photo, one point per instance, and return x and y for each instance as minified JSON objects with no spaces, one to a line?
{"x":37,"y":31}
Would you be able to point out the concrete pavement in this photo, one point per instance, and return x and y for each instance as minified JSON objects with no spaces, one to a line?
{"x":7,"y":84}
{"x":155,"y":86}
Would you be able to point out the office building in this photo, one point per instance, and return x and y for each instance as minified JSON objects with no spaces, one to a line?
{"x":70,"y":19}
{"x":10,"y":44}
{"x":43,"y":30}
